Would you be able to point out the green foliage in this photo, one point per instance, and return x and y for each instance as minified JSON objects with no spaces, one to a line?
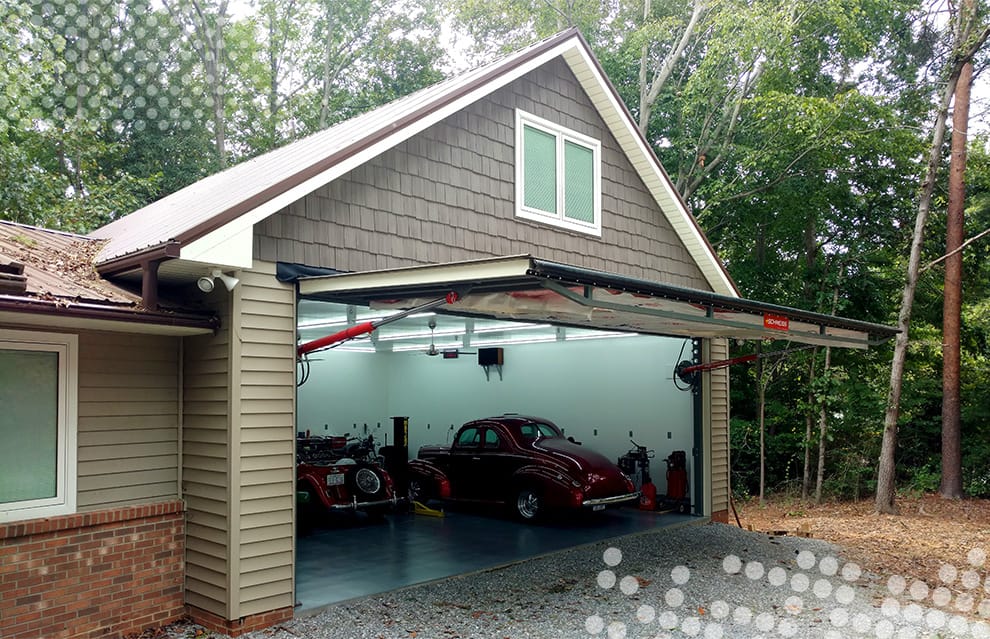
{"x":106,"y":107}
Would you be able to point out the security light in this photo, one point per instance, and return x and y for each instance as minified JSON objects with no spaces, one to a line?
{"x":207,"y":284}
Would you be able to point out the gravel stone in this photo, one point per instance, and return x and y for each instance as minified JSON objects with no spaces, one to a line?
{"x":708,"y":581}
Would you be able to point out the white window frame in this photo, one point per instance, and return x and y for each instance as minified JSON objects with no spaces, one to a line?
{"x":67,"y":347}
{"x":562,"y":135}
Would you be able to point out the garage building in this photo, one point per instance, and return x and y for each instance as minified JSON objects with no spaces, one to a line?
{"x":524,"y":186}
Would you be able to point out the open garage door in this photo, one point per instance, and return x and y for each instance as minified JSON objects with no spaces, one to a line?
{"x":524,"y":288}
{"x":595,"y":352}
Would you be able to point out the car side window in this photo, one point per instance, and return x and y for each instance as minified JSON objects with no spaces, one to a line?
{"x":469,"y":438}
{"x":492,"y":440}
{"x":529,"y":431}
{"x":547,"y":431}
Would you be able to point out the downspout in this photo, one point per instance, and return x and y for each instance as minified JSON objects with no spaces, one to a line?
{"x":149,"y":284}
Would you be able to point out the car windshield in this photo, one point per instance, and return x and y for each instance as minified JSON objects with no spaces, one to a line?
{"x":537,"y":430}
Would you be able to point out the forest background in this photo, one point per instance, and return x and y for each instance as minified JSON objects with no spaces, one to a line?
{"x":795,"y":130}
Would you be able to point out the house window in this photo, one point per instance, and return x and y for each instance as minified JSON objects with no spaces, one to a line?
{"x":38,"y":378}
{"x":558,"y":175}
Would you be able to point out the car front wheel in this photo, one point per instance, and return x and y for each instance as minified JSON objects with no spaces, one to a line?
{"x":529,"y":504}
{"x":418,"y":491}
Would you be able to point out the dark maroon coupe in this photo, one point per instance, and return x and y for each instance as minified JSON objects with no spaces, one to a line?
{"x":523,"y":462}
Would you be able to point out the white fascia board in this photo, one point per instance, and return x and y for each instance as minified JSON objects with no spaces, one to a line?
{"x":246,"y":222}
{"x":225,"y":247}
{"x":472,"y":271}
{"x":653,"y":176}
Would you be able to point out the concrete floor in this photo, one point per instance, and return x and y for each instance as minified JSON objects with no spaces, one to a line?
{"x":358,"y":558}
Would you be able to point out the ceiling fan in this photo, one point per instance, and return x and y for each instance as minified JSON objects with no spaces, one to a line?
{"x":448,"y":353}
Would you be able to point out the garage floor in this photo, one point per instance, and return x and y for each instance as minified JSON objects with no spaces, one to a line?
{"x":347,"y":561}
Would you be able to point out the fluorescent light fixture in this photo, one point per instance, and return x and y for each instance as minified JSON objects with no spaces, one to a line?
{"x":360,"y":318}
{"x":450,"y":332}
{"x":510,"y":326}
{"x":574,"y":338}
{"x":518,"y":340}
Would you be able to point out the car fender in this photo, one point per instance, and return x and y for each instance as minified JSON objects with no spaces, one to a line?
{"x":557,"y":486}
{"x":316,"y":483}
{"x":430,"y":474}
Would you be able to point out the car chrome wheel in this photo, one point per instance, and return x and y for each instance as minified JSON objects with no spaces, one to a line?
{"x":367,"y":481}
{"x":528,"y":504}
{"x":415,"y":490}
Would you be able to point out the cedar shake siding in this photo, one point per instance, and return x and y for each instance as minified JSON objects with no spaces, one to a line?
{"x":448,"y":194}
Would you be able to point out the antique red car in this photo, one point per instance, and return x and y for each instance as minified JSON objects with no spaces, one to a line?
{"x":524,"y":463}
{"x":335,"y":475}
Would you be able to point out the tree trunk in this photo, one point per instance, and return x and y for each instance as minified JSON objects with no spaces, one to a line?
{"x":649,"y":89}
{"x":951,"y":486}
{"x":808,"y":421}
{"x":762,"y":405}
{"x":885,"y":498}
{"x":823,"y":408}
{"x":823,"y":429}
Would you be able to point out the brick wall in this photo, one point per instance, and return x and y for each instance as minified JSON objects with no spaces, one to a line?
{"x":98,"y":574}
{"x":238,"y":627}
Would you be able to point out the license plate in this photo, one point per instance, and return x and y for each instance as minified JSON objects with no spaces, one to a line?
{"x":337,"y":479}
{"x":598,"y":507}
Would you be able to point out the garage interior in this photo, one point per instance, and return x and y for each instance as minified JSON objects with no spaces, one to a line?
{"x":595,"y":353}
{"x":603,"y":388}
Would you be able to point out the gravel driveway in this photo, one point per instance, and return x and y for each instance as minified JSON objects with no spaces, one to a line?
{"x":706,"y":581}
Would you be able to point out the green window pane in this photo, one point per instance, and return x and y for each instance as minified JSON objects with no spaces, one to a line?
{"x":28,"y":424}
{"x":579,"y":182}
{"x":539,"y":170}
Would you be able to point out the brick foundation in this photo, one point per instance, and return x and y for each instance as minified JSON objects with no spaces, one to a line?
{"x":237,"y":627}
{"x":721,"y":516}
{"x":108,"y":573}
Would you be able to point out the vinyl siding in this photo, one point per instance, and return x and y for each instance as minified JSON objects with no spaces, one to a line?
{"x":266,"y":443}
{"x":448,"y":194}
{"x":205,"y":463}
{"x":128,"y":419}
{"x":720,"y":427}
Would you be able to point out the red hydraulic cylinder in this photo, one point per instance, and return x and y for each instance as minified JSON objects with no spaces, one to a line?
{"x":366,"y":327}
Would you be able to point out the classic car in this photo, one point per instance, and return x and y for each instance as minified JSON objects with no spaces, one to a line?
{"x":522,"y":462}
{"x":338,"y":475}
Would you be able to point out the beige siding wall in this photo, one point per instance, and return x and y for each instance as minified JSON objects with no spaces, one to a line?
{"x":265,"y":443}
{"x":448,"y":194}
{"x":128,"y":419}
{"x":719,"y":384}
{"x":239,"y":450}
{"x":205,"y":462}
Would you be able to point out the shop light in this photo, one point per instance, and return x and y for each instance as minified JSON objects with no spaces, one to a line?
{"x":513,"y":326}
{"x":356,"y":349}
{"x":606,"y":335}
{"x":514,"y":341}
{"x":450,"y":332}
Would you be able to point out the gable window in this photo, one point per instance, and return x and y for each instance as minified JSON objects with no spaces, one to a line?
{"x":38,"y":380}
{"x":558,"y":175}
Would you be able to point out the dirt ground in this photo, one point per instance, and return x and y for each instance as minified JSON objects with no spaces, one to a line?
{"x":930,"y":532}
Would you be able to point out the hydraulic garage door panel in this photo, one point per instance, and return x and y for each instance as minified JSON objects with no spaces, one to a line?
{"x":526,"y":289}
